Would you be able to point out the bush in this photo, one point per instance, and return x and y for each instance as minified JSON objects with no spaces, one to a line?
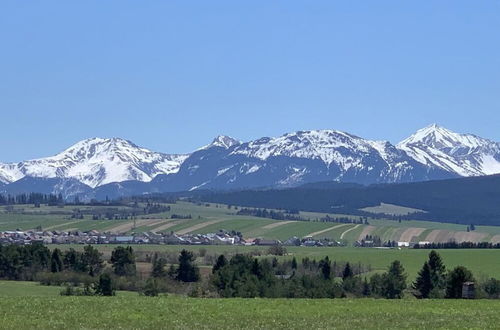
{"x":277,"y":250}
{"x":492,"y":288}
{"x":105,"y":286}
{"x":65,"y":278}
{"x":456,"y":278}
{"x":76,"y":291}
{"x":151,"y":288}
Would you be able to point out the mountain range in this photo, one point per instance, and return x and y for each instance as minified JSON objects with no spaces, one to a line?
{"x":95,"y":168}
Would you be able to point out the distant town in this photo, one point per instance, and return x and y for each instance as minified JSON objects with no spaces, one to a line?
{"x":221,"y":237}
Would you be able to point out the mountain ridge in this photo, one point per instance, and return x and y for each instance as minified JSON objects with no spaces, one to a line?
{"x":291,"y":159}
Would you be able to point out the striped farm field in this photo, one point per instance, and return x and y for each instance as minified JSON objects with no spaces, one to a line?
{"x":206,"y":218}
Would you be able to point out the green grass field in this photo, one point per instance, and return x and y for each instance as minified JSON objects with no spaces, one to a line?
{"x":191,"y":313}
{"x":34,"y":289}
{"x":214,"y":217}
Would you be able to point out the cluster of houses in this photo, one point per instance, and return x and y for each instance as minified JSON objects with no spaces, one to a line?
{"x":389,"y":244}
{"x":94,"y":237}
{"x":310,"y":241}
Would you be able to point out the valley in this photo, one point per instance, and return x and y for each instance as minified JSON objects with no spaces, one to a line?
{"x":211,"y":218}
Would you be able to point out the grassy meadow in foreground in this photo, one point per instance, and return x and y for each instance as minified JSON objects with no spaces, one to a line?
{"x":194,"y":313}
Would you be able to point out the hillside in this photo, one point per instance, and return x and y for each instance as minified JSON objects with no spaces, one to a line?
{"x":465,"y":201}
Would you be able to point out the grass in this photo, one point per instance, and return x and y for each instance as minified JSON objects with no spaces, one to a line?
{"x":193,"y":313}
{"x":391,"y":209}
{"x":34,"y":289}
{"x":20,"y":289}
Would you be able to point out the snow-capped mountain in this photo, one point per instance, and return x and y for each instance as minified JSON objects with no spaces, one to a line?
{"x":463,"y":154}
{"x":294,"y":159}
{"x":116,"y":167}
{"x":95,"y":162}
{"x":341,"y":154}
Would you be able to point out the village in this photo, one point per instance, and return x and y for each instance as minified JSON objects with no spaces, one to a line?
{"x":221,"y":237}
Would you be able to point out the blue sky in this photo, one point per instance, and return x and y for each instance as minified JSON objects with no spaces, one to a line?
{"x":170,"y":75}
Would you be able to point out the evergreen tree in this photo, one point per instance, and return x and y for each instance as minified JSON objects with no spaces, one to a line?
{"x":424,"y":284}
{"x":347,"y":273}
{"x":294,"y":263}
{"x":56,"y":264}
{"x":187,"y":271}
{"x":394,"y":281}
{"x":438,"y":271}
{"x":326,"y":268}
{"x":221,"y":262}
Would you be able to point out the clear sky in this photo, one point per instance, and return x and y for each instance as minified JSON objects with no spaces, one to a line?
{"x":170,"y":75}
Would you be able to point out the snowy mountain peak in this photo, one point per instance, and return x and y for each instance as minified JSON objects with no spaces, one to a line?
{"x":463,"y":154}
{"x":97,"y":161}
{"x":93,"y":147}
{"x":435,"y":136}
{"x":223,"y":141}
{"x":329,"y":146}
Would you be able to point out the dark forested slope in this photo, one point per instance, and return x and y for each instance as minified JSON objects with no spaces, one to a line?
{"x":467,"y":200}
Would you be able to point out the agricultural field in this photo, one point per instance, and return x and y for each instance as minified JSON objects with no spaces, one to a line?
{"x":212,"y":217}
{"x":196,"y":313}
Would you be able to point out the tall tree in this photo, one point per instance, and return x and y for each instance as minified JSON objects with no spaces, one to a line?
{"x":437,"y":270}
{"x":123,"y":260}
{"x":347,"y":273}
{"x":424,"y":284}
{"x":394,"y":281}
{"x":93,"y":259}
{"x":187,"y":271}
{"x":221,"y":262}
{"x":326,"y":268}
{"x":56,"y":264}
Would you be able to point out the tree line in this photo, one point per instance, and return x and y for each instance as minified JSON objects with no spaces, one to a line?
{"x":270,"y":214}
{"x":32,"y":198}
{"x":458,"y":245}
{"x":242,"y":275}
